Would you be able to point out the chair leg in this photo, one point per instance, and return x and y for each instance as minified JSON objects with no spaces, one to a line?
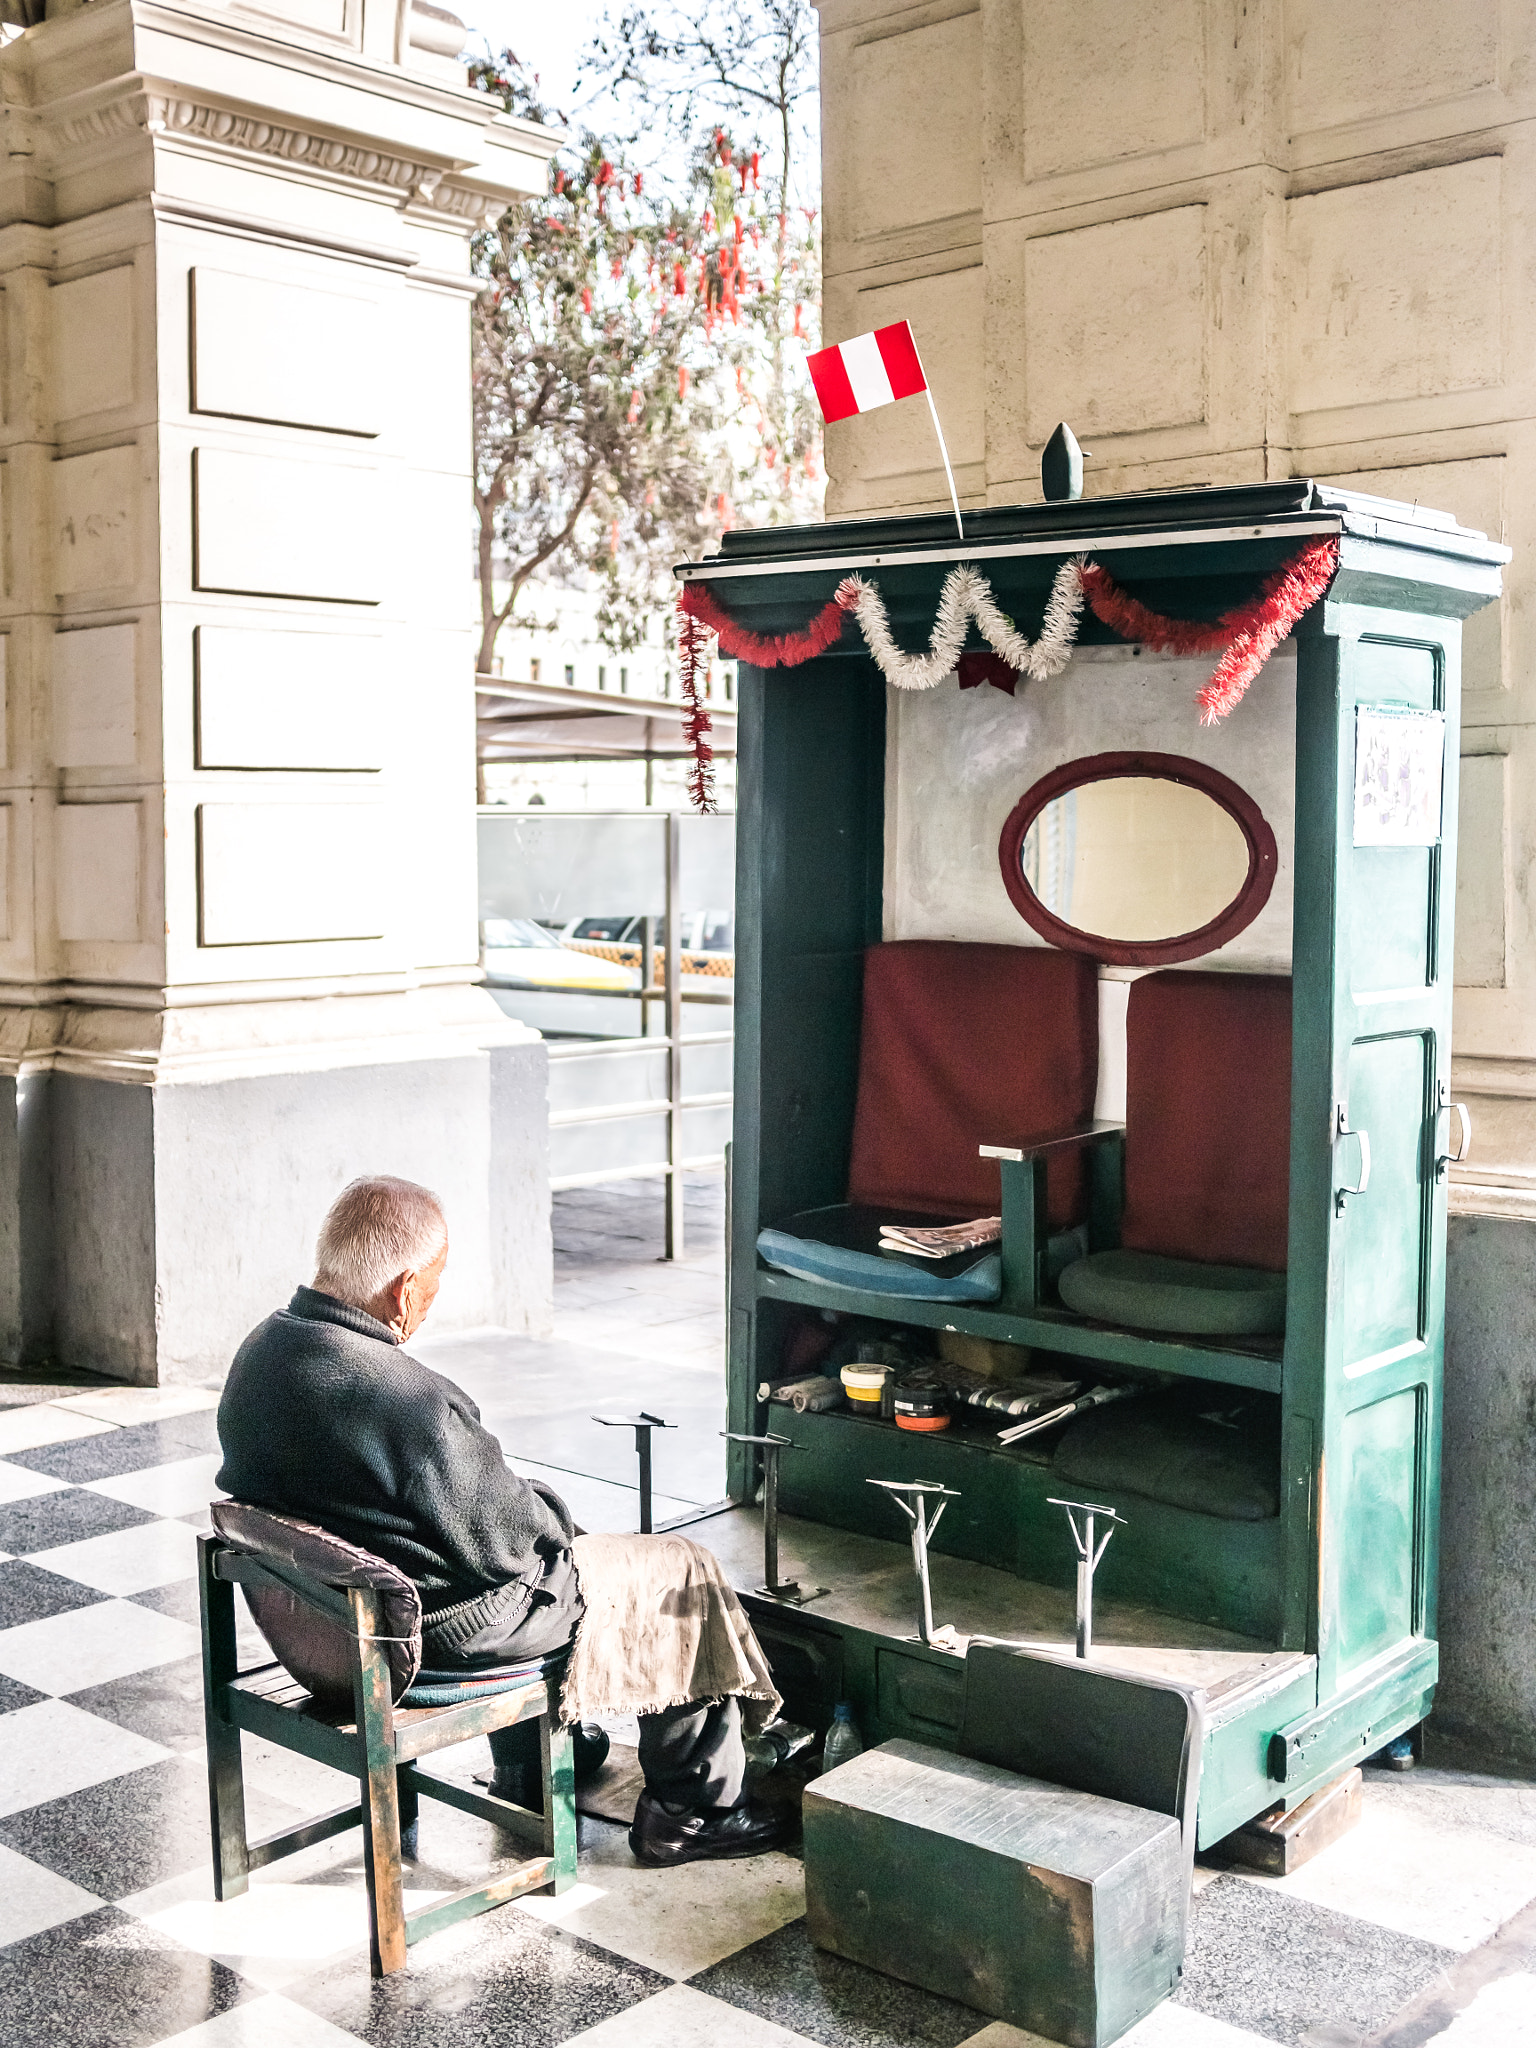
{"x":226,"y":1778}
{"x":558,"y":1756}
{"x":380,"y":1792}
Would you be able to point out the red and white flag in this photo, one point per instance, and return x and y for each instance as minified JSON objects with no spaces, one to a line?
{"x":869,"y":371}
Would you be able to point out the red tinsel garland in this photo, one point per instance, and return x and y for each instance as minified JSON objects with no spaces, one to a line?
{"x":1247,"y":635}
{"x":693,"y":660}
{"x":778,"y":650}
{"x":699,"y":616}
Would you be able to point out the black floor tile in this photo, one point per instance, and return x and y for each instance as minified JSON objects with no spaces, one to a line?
{"x":68,"y":1517}
{"x":164,"y":1705}
{"x":1281,"y":1967}
{"x":106,"y":1981}
{"x":501,"y":1981}
{"x":841,"y":2004}
{"x":14,"y":1694}
{"x":125,"y":1450}
{"x":29,"y":1592}
{"x":134,"y":1831}
{"x":180,"y":1599}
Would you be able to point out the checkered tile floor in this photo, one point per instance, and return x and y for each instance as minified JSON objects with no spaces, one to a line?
{"x":1419,"y":1927}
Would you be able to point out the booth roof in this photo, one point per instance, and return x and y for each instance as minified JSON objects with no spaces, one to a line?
{"x":1204,"y":549}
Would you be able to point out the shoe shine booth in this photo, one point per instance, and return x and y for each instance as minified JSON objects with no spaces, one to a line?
{"x":1173,"y":1000}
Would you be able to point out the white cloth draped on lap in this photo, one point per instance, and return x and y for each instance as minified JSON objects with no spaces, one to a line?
{"x":661,"y":1628}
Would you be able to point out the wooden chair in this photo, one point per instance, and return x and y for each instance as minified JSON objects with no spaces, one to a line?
{"x":337,"y":1613}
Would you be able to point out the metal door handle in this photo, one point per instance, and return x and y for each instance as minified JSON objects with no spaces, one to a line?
{"x":1341,"y":1131}
{"x":1445,"y":1159}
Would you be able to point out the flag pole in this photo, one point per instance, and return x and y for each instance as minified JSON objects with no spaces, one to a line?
{"x":954,"y":497}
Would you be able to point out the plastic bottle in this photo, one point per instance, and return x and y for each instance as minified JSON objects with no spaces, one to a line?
{"x":843,"y":1738}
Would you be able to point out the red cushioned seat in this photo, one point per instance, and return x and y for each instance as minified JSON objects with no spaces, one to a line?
{"x":964,"y":1046}
{"x":1207,"y":1162}
{"x":1208,"y":1118}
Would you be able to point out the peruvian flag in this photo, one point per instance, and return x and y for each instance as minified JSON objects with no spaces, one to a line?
{"x":872,"y":369}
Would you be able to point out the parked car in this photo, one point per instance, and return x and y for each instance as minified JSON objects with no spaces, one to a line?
{"x":522,"y":954}
{"x":703,"y":931}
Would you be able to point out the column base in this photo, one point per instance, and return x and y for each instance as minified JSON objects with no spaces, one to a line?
{"x":157,"y":1202}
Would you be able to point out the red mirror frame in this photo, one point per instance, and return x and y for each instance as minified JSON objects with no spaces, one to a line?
{"x":1263,"y":858}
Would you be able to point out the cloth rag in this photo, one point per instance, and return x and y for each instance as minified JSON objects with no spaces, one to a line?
{"x":661,"y":1628}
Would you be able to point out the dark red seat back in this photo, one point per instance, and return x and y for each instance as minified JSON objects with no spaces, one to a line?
{"x":964,"y":1046}
{"x":1208,"y":1118}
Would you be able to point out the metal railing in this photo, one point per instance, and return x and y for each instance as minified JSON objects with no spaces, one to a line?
{"x":620,"y":1108}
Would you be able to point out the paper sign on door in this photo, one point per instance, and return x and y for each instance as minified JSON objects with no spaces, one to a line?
{"x":1399,"y":776}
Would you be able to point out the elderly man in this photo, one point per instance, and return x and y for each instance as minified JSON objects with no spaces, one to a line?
{"x":327,"y":1418}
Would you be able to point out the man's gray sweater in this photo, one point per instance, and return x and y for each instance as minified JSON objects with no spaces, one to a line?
{"x":324,"y":1417}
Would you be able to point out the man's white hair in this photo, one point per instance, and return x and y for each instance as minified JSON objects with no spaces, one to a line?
{"x":376,"y":1229}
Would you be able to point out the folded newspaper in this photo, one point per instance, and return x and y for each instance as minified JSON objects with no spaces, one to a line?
{"x":940,"y":1240}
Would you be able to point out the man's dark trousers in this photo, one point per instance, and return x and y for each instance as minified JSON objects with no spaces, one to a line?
{"x":691,"y":1756}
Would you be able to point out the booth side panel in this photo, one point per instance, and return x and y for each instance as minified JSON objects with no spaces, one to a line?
{"x":1374,"y":1381}
{"x":809,"y":843}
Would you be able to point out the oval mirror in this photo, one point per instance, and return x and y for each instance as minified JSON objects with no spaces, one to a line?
{"x":1138,"y":859}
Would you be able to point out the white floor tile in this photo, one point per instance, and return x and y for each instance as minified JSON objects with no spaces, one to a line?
{"x":52,"y":1748}
{"x":676,"y":1921}
{"x":28,"y":1429}
{"x":681,"y":2017}
{"x":277,"y":1933}
{"x":1503,"y":2015}
{"x":17,"y":1483}
{"x":127,"y":1561}
{"x":68,"y":1652}
{"x":1171,"y":2026}
{"x":179,"y":1488}
{"x":270,"y":2022}
{"x":1450,"y":1885}
{"x":32,"y":1898}
{"x":124,"y":1405}
{"x":298,"y":1781}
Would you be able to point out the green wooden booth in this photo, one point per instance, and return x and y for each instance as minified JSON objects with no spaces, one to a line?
{"x":871,"y":816}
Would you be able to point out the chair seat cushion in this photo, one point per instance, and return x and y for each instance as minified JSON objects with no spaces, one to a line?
{"x":1150,"y":1292}
{"x":1210,"y":1450}
{"x":841,"y":1244}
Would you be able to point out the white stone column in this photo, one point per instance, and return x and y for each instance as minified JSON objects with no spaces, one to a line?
{"x":238,"y":918}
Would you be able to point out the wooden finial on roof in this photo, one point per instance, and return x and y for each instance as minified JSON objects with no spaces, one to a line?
{"x":1061,"y":466}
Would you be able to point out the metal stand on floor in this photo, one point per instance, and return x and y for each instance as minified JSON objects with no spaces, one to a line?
{"x":642,"y":1424}
{"x":912,"y":1497}
{"x":771,"y":1588}
{"x":1089,"y":1552}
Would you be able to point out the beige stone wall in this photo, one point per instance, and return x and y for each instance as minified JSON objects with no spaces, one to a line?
{"x":1227,"y":240}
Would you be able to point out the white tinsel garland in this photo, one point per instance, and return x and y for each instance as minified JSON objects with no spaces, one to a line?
{"x":967,"y":595}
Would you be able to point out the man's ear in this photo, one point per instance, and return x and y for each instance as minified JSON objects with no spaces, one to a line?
{"x":395,"y":1292}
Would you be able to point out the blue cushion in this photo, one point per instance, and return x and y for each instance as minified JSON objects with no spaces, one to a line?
{"x":807,"y":1259}
{"x":452,"y":1688}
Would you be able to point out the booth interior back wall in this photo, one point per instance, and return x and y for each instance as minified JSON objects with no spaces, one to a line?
{"x":958,"y":761}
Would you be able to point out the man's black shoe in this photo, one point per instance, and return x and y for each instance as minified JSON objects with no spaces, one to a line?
{"x":523,"y":1781}
{"x":660,"y":1838}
